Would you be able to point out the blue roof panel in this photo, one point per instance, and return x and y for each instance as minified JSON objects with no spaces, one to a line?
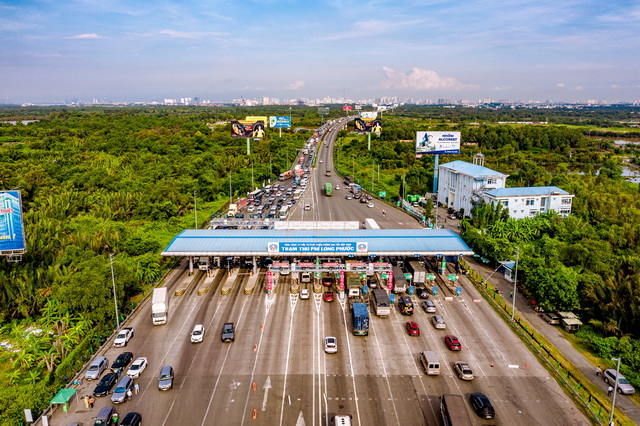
{"x":241,"y":242}
{"x":470,"y":169}
{"x":529,"y":191}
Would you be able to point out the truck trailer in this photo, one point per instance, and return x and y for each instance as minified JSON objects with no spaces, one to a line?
{"x":160,"y":306}
{"x":360,"y":319}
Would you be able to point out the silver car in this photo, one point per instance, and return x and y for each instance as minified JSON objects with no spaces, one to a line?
{"x":96,"y":368}
{"x":624,"y":386}
{"x":120,"y":392}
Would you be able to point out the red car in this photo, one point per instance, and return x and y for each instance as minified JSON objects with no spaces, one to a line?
{"x":412,"y":328}
{"x":328,"y":296}
{"x":452,"y":342}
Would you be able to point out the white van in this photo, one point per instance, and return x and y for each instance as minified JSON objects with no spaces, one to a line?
{"x":430,"y":363}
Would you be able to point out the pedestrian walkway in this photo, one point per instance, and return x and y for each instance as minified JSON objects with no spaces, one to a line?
{"x":552,"y":333}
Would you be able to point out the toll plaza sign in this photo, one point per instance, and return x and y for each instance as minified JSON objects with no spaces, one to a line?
{"x":317,"y":247}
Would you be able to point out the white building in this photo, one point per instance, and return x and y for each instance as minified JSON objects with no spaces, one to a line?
{"x":531,"y":201}
{"x":461,"y":184}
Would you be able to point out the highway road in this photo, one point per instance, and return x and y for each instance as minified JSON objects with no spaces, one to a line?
{"x":276,"y":371}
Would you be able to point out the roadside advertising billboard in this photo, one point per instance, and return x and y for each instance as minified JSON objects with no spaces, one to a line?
{"x":276,"y":121}
{"x":247,"y":129}
{"x":367,"y":125}
{"x":11,"y":223}
{"x":372,"y":115}
{"x":347,"y":107}
{"x":256,"y":118}
{"x":437,"y":143}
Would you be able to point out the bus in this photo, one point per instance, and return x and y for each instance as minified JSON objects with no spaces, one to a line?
{"x":328,"y":189}
{"x":284,"y":212}
{"x":381,"y":302}
{"x":454,"y":410}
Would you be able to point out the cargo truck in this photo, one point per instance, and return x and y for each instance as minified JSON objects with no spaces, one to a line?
{"x":159,"y":306}
{"x":417,"y":271}
{"x":360,"y":316}
{"x":399,"y":280}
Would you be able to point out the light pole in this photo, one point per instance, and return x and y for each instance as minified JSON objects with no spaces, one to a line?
{"x":230,"y":194}
{"x":615,"y":391}
{"x":195,"y":206}
{"x":113,"y":282}
{"x":515,"y":281}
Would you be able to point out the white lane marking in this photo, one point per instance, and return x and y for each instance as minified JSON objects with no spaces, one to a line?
{"x":384,"y":371}
{"x":266,"y":387}
{"x":286,"y":369}
{"x":353,"y":377}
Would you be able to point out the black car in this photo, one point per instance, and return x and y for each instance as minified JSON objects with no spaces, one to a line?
{"x":122,"y":361}
{"x":422,"y":293}
{"x":482,"y":406}
{"x":131,"y":419}
{"x":105,"y":384}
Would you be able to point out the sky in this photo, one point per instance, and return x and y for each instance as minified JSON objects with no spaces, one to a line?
{"x":141,"y":50}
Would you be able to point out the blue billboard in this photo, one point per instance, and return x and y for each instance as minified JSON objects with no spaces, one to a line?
{"x":319,"y":247}
{"x":277,"y":121}
{"x":437,"y":143}
{"x":11,"y":224}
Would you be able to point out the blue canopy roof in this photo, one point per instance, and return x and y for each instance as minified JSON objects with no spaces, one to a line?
{"x":358,"y":242}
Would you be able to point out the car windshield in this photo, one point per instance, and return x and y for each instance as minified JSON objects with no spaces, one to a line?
{"x":197,"y":332}
{"x":623,"y":381}
{"x":135,"y":367}
{"x":120,"y":389}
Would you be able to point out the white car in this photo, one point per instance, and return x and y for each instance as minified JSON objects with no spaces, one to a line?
{"x":370,"y":205}
{"x":304,"y":294}
{"x":307,"y":206}
{"x":137,"y":367}
{"x":197,"y":334}
{"x":337,"y":187}
{"x":320,"y":161}
{"x":330,"y":345}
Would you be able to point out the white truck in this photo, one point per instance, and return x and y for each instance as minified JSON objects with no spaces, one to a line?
{"x":159,"y":306}
{"x":123,"y":337}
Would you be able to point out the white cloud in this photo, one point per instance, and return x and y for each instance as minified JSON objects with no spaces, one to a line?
{"x":420,"y":79}
{"x":296,"y":85}
{"x":85,"y":36}
{"x":179,"y":34}
{"x":560,"y":85}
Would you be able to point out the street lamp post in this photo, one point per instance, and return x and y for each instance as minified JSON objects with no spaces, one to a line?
{"x":195,"y":206}
{"x":615,"y":391}
{"x":113,"y":283}
{"x":515,"y":281}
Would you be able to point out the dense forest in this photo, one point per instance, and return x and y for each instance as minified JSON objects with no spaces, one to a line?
{"x":120,"y":182}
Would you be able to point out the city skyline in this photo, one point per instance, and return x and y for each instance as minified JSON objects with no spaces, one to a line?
{"x":113,"y":51}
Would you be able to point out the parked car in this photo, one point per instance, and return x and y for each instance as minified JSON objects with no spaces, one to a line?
{"x":197,"y":334}
{"x":104,"y":417}
{"x":551,"y":318}
{"x":122,"y":361}
{"x":328,"y":296}
{"x":96,"y":368}
{"x":131,"y":419}
{"x":330,"y":345}
{"x":412,"y":328}
{"x":482,"y":406}
{"x":120,"y":392}
{"x":165,"y":380}
{"x":105,"y":384}
{"x":452,"y":342}
{"x":463,"y":370}
{"x":624,"y":386}
{"x":137,"y":367}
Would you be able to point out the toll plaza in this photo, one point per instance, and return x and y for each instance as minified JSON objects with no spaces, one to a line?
{"x":314,"y":251}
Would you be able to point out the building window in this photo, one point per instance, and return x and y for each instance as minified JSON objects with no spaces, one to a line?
{"x":566,"y":201}
{"x":543,"y":201}
{"x":505,"y":203}
{"x":565,"y":212}
{"x":530,"y":202}
{"x":491,"y":181}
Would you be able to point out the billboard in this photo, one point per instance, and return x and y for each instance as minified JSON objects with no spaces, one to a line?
{"x":347,"y":107}
{"x":372,"y":115}
{"x":437,"y":143}
{"x":275,"y":121}
{"x":362,"y":125}
{"x":256,"y":118}
{"x":11,"y":223}
{"x":319,"y":247}
{"x":247,"y":129}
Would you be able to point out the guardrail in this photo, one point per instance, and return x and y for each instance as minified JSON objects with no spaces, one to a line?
{"x":549,"y":354}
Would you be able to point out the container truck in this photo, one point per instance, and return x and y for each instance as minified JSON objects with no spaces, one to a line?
{"x":417,"y":271}
{"x":360,"y":319}
{"x":399,"y":280}
{"x":159,"y":306}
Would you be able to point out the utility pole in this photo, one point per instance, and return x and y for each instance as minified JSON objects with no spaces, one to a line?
{"x":515,"y":282}
{"x":113,"y":282}
{"x":195,"y":206}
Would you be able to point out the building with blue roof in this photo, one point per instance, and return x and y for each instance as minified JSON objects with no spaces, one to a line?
{"x":461,"y":184}
{"x":531,"y":201}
